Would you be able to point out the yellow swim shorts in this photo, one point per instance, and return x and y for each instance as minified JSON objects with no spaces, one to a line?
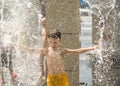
{"x":57,"y":80}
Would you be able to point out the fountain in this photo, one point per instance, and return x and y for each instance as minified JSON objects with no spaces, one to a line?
{"x":19,"y":24}
{"x":105,"y":15}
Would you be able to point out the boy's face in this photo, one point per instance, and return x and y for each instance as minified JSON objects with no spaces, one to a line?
{"x":53,"y":42}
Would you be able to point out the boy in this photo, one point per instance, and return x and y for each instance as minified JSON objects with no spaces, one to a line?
{"x":54,"y":57}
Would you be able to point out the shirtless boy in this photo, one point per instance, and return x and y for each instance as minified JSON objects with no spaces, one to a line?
{"x":54,"y":57}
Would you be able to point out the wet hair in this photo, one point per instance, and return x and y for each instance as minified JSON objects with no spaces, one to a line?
{"x":54,"y":33}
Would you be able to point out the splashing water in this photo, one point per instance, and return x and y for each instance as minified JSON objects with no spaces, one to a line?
{"x":19,"y":24}
{"x":105,"y":12}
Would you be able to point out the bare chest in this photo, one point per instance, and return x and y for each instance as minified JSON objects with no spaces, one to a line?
{"x":55,"y":55}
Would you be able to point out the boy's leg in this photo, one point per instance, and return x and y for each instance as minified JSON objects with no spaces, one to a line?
{"x":11,"y":72}
{"x":2,"y":76}
{"x":2,"y":67}
{"x":10,"y":67}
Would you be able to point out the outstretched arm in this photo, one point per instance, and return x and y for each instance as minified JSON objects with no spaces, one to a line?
{"x":43,"y":53}
{"x":80,"y":50}
{"x":30,"y":48}
{"x":42,"y":64}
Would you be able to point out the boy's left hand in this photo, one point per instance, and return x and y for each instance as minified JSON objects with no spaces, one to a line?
{"x":95,"y":47}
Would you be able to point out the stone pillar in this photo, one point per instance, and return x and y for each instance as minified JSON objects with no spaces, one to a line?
{"x":64,"y":15}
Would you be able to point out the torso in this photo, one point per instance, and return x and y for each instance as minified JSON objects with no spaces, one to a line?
{"x":55,"y":62}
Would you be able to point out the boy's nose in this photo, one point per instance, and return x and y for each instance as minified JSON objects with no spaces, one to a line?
{"x":54,"y":42}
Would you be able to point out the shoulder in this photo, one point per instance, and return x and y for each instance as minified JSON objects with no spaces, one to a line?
{"x":44,"y":50}
{"x":64,"y":50}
